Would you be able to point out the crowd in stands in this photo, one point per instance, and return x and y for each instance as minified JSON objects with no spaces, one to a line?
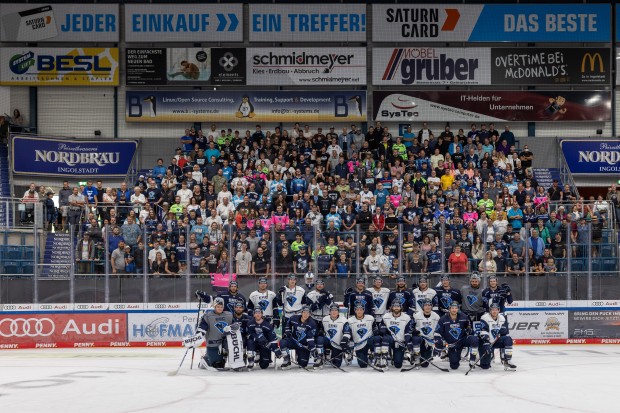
{"x":283,"y":201}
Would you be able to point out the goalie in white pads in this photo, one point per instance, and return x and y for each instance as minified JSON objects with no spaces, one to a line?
{"x":424,"y":332}
{"x":494,"y":334}
{"x":395,"y":330}
{"x":334,"y":339}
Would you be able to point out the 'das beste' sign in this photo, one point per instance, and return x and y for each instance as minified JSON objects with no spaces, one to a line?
{"x":56,"y":157}
{"x":592,"y":156}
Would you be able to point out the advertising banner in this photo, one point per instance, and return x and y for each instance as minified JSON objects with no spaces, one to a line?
{"x":56,"y":157}
{"x":496,"y":106}
{"x":538,"y":324}
{"x":289,"y":66}
{"x":160,"y":326}
{"x":190,"y":66}
{"x":184,"y":22}
{"x":19,"y":329}
{"x":33,"y":66}
{"x":592,"y":156}
{"x":76,"y":23}
{"x":594,"y":322}
{"x":491,"y":23}
{"x":307,"y":23}
{"x":245,"y":106}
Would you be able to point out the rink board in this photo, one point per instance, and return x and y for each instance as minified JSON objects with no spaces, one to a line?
{"x":164,"y":324}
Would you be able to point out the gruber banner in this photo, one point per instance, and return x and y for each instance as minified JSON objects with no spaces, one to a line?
{"x":245,"y":106}
{"x":56,"y":157}
{"x":491,"y":23}
{"x":592,"y":156}
{"x":496,"y":106}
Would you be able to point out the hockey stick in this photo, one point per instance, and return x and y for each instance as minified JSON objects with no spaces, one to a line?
{"x":174,"y":373}
{"x":429,"y":361}
{"x":191,"y":366}
{"x":477,"y":362}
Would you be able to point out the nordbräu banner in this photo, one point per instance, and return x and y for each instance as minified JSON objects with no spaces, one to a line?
{"x":496,"y":106}
{"x":592,"y":156}
{"x":242,"y":106}
{"x":56,"y":157}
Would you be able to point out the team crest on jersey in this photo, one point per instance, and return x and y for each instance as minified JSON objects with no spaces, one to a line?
{"x":446,"y":301}
{"x":471,"y":299}
{"x":426,"y":330}
{"x":263,"y":304}
{"x":378,"y":302}
{"x":477,"y":325}
{"x":291,"y":300}
{"x":220,"y":325}
{"x":421,"y":302}
{"x":494,"y":332}
{"x":394,"y":330}
{"x":401,"y":299}
{"x":332,"y":332}
{"x":301,"y":334}
{"x":362,"y":331}
{"x":455,"y":332}
{"x":362,"y":302}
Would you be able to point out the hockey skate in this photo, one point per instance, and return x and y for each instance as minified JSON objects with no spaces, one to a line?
{"x":508,"y":366}
{"x":286,"y":362}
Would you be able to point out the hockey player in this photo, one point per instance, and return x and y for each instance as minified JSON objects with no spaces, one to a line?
{"x":401,"y":293}
{"x":445,"y":296}
{"x":364,"y":333}
{"x":422,"y":293}
{"x":358,"y":295}
{"x":204,"y":296}
{"x":454,"y":329}
{"x":299,"y":334}
{"x":267,"y":301}
{"x":320,"y":300}
{"x":214,"y":326}
{"x":241,"y":317}
{"x":291,"y":298}
{"x":335,"y":338}
{"x":496,"y":294}
{"x":494,"y":334}
{"x":395,"y":330}
{"x":472,"y":304}
{"x":262,"y":340}
{"x":380,"y":297}
{"x":424,"y":332}
{"x":232,"y":296}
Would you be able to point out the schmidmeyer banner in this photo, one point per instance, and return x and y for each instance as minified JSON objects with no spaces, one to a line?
{"x":28,"y":22}
{"x":55,"y":157}
{"x":592,"y":156}
{"x":32,"y":66}
{"x":191,"y":66}
{"x":492,"y":23}
{"x":517,"y":106}
{"x":307,"y":23}
{"x":184,"y":22}
{"x":306,"y":66}
{"x":248,"y":106}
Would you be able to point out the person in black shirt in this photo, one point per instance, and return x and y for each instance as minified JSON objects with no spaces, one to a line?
{"x":261,"y":263}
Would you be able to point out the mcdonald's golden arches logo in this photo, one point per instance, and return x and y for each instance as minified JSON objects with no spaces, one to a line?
{"x":592,"y":58}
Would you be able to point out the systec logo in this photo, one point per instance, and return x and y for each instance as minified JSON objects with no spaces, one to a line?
{"x":26,"y":327}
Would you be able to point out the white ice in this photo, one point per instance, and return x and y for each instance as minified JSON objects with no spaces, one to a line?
{"x":575,"y":378}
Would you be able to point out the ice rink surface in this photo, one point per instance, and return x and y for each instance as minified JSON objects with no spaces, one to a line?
{"x":575,"y":378}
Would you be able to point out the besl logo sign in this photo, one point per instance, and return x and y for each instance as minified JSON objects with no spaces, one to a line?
{"x":59,"y":66}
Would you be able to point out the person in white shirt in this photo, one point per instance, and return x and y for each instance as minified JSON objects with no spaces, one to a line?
{"x":137,"y":199}
{"x":372,"y":263}
{"x":185,"y":194}
{"x":243,"y":260}
{"x":224,"y":193}
{"x":154,"y":251}
{"x":224,"y":209}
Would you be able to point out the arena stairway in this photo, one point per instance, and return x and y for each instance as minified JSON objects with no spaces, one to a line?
{"x":57,"y":251}
{"x":545,"y":176}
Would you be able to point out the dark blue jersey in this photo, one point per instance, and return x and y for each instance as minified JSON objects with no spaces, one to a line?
{"x":262,"y":333}
{"x":302,"y":332}
{"x":444,"y":297}
{"x":454,"y":330}
{"x":230,"y":300}
{"x":433,"y":260}
{"x":404,"y":297}
{"x":352,"y":297}
{"x":498,"y":296}
{"x":243,"y":322}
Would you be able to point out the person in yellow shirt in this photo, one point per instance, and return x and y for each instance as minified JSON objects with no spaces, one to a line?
{"x":447,"y":179}
{"x":400,"y":147}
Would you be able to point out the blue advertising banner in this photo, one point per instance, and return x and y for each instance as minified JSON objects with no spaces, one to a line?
{"x":491,"y":22}
{"x":245,"y":106}
{"x":57,"y":157}
{"x":592,"y":156}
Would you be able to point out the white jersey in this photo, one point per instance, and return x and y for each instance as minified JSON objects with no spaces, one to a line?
{"x":361,"y":330}
{"x":424,"y":325}
{"x":336,"y":329}
{"x":263,"y":301}
{"x":420,"y":296}
{"x":397,"y":325}
{"x":491,"y":327}
{"x":292,"y":300}
{"x":319,"y":313}
{"x":379,"y":301}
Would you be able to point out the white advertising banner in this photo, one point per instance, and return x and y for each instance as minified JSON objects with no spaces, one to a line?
{"x":184,"y":22}
{"x":551,"y":324}
{"x":160,"y":326}
{"x":29,"y":22}
{"x":288,"y":66}
{"x":307,"y":23}
{"x":431,"y":66}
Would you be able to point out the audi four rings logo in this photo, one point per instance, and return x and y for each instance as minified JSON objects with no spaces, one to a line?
{"x":26,"y":327}
{"x":228,"y":61}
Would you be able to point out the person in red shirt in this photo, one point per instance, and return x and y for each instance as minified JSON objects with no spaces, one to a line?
{"x":458,"y":262}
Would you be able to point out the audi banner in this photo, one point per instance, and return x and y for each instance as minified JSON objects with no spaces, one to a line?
{"x":188,"y":66}
{"x":492,"y":106}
